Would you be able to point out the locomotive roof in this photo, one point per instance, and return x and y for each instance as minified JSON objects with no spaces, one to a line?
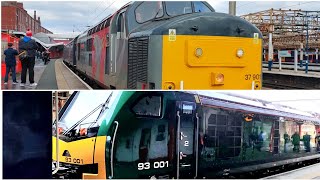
{"x":230,"y":100}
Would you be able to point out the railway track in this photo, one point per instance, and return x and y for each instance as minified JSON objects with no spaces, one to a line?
{"x":280,"y":86}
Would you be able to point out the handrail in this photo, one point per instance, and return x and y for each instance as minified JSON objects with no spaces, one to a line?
{"x":57,"y":133}
{"x":113,"y":141}
{"x":178,"y":146}
{"x":197,"y":145}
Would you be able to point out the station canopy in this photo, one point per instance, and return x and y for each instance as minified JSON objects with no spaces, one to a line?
{"x":43,"y":40}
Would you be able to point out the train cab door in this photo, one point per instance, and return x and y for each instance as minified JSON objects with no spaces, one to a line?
{"x":186,"y":149}
{"x":119,"y":45}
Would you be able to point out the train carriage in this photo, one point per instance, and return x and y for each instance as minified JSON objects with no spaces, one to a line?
{"x":181,"y":135}
{"x":171,"y":45}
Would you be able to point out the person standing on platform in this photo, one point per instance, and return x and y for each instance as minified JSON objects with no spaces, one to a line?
{"x":286,"y":141}
{"x":296,"y":142}
{"x":29,"y":46}
{"x":317,"y":139}
{"x":306,"y":141}
{"x":10,"y":60}
{"x":40,"y":56}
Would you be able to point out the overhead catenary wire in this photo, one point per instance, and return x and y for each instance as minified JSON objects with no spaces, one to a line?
{"x":298,"y":4}
{"x":104,"y":10}
{"x":241,"y":12}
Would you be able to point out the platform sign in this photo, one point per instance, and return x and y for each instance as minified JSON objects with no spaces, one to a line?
{"x":285,"y":54}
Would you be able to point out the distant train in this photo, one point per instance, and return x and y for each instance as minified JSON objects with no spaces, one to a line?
{"x":168,"y":134}
{"x":169,"y":45}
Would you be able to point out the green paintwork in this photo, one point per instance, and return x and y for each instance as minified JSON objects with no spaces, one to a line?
{"x":112,"y":112}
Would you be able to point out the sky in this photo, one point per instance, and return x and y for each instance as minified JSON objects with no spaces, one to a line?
{"x":76,"y":16}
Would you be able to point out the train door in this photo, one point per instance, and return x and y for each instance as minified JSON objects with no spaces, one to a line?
{"x":141,"y":142}
{"x":187,"y":127}
{"x":119,"y":49}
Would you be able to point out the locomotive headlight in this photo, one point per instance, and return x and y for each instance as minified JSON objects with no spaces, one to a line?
{"x":240,"y":53}
{"x":198,"y":52}
{"x":219,"y":78}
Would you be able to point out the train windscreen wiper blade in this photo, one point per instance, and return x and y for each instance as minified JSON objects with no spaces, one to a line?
{"x":104,"y":107}
{"x":84,"y":118}
{"x":155,"y":18}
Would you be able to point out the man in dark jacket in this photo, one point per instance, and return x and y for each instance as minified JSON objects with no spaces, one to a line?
{"x":296,"y":142}
{"x":10,"y":60}
{"x":30,"y":46}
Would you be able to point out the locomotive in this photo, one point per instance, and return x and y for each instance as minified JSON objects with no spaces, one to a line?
{"x":172,"y":134}
{"x":169,"y":45}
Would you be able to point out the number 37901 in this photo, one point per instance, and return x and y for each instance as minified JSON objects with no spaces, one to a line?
{"x":252,"y":77}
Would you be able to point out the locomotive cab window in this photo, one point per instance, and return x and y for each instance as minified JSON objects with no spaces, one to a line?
{"x":148,"y":10}
{"x":178,"y":8}
{"x":148,"y":106}
{"x":200,"y":7}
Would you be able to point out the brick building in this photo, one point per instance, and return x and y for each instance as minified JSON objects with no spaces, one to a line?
{"x":15,"y":17}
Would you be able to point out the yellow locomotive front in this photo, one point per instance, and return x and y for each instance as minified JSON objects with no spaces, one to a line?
{"x":186,"y":45}
{"x":211,"y":62}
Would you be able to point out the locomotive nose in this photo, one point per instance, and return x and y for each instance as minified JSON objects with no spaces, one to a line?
{"x":223,"y":50}
{"x":213,"y":24}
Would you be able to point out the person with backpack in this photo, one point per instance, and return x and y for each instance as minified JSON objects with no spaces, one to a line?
{"x":10,"y":61}
{"x":29,"y":46}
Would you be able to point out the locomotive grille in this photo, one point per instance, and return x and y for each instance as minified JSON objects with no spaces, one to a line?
{"x":137,"y":61}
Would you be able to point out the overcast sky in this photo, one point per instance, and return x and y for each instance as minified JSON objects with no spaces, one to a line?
{"x":69,"y":16}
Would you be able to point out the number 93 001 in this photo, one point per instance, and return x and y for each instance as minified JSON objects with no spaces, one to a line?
{"x":155,"y":165}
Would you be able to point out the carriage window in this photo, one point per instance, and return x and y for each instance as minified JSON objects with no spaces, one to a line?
{"x":200,"y":7}
{"x":148,"y":106}
{"x":178,"y":8}
{"x":90,"y":59}
{"x":148,"y":10}
{"x":106,"y":64}
{"x":89,"y":44}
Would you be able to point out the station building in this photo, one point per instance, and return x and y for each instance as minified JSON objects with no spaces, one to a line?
{"x":16,"y":18}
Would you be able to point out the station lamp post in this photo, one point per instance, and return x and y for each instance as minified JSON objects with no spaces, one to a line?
{"x":270,"y":48}
{"x":307,"y":44}
{"x":232,"y":7}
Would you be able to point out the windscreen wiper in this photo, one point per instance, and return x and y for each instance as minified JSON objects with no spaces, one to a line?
{"x":159,"y":18}
{"x":84,"y":118}
{"x":104,"y":107}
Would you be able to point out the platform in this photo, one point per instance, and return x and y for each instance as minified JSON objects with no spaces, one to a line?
{"x":308,"y":172}
{"x":55,"y":75}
